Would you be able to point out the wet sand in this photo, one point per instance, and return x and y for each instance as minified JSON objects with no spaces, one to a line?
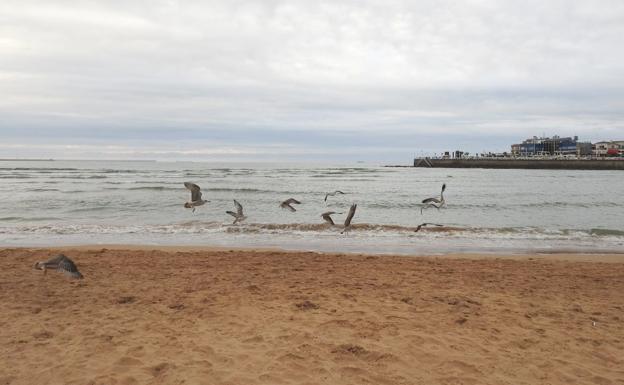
{"x":217,"y":316}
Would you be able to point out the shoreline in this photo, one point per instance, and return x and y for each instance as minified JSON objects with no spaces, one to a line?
{"x":555,"y":255}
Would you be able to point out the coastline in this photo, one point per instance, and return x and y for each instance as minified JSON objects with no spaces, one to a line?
{"x":553,"y":254}
{"x":173,"y":314}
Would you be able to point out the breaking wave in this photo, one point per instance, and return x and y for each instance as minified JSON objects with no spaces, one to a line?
{"x":363,"y":229}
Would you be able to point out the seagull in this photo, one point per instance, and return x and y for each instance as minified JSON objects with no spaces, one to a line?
{"x":60,"y":263}
{"x":195,"y":196}
{"x":327,"y":217}
{"x":347,"y":222}
{"x":424,"y":225}
{"x":435,"y":202}
{"x":333,"y":194}
{"x":287,"y":204}
{"x":238,"y":215}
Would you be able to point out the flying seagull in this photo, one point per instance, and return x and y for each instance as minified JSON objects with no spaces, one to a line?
{"x":287,"y":204}
{"x":425,"y":225}
{"x":435,"y":202}
{"x":60,"y":263}
{"x":238,"y":215}
{"x":333,"y":194}
{"x":347,"y":222}
{"x":195,"y":196}
{"x":327,"y":217}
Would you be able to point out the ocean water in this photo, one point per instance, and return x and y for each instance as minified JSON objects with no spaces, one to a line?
{"x":502,"y":211}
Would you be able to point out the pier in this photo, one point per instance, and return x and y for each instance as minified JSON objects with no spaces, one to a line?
{"x":525,"y":163}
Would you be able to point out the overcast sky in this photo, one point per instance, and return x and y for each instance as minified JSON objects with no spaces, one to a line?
{"x":304,"y":80}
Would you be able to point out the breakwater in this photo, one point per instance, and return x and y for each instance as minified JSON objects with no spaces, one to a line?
{"x":508,"y":163}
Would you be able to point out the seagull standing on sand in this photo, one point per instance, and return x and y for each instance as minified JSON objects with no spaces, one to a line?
{"x":424,"y":225}
{"x":327,"y":217}
{"x":434,"y":202}
{"x":287,"y":204}
{"x":347,"y":222}
{"x":195,"y":196}
{"x":238,"y":215}
{"x":333,"y":194}
{"x":60,"y":263}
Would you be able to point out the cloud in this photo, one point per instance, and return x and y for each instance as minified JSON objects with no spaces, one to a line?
{"x":145,"y":72}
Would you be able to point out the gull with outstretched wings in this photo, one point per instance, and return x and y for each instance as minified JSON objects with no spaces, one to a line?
{"x":238,"y":215}
{"x":327,"y":217}
{"x":287,"y":204}
{"x":331,"y":194}
{"x":434,"y":202}
{"x":196,"y":196}
{"x":420,"y":226}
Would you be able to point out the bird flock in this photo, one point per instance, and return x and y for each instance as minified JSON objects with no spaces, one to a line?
{"x":64,"y":264}
{"x":238,"y":215}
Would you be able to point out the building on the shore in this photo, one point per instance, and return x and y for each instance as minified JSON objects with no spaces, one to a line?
{"x":568,"y":146}
{"x":544,"y":146}
{"x":555,"y":147}
{"x":584,"y":149}
{"x":538,"y":153}
{"x":609,"y":148}
{"x":601,"y":148}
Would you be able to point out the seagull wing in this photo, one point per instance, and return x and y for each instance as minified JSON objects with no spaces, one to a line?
{"x":350,"y":215}
{"x":239,"y":207}
{"x":54,"y":261}
{"x":429,"y":200}
{"x":285,"y":205}
{"x":195,"y":193}
{"x":333,"y":194}
{"x":68,"y":267}
{"x":327,"y":217}
{"x":232,"y":213}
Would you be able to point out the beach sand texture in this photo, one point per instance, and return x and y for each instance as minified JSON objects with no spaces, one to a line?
{"x":145,"y":316}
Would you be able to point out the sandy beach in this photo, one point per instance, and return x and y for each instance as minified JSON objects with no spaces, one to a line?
{"x":219,"y":316}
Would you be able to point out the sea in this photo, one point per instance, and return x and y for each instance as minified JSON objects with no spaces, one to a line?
{"x":62,"y":203}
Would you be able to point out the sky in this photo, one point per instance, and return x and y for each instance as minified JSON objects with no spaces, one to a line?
{"x":370,"y":80}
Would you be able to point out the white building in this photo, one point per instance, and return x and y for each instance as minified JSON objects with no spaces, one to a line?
{"x":609,"y":148}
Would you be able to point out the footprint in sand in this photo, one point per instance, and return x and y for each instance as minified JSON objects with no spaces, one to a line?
{"x":161,"y":369}
{"x":43,"y":335}
{"x":7,"y":380}
{"x":125,"y":300}
{"x":137,"y":351}
{"x":306,"y":305}
{"x":255,"y":339}
{"x":126,"y":363}
{"x":128,"y":381}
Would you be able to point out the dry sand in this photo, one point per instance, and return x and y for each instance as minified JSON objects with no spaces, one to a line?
{"x":145,"y":316}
